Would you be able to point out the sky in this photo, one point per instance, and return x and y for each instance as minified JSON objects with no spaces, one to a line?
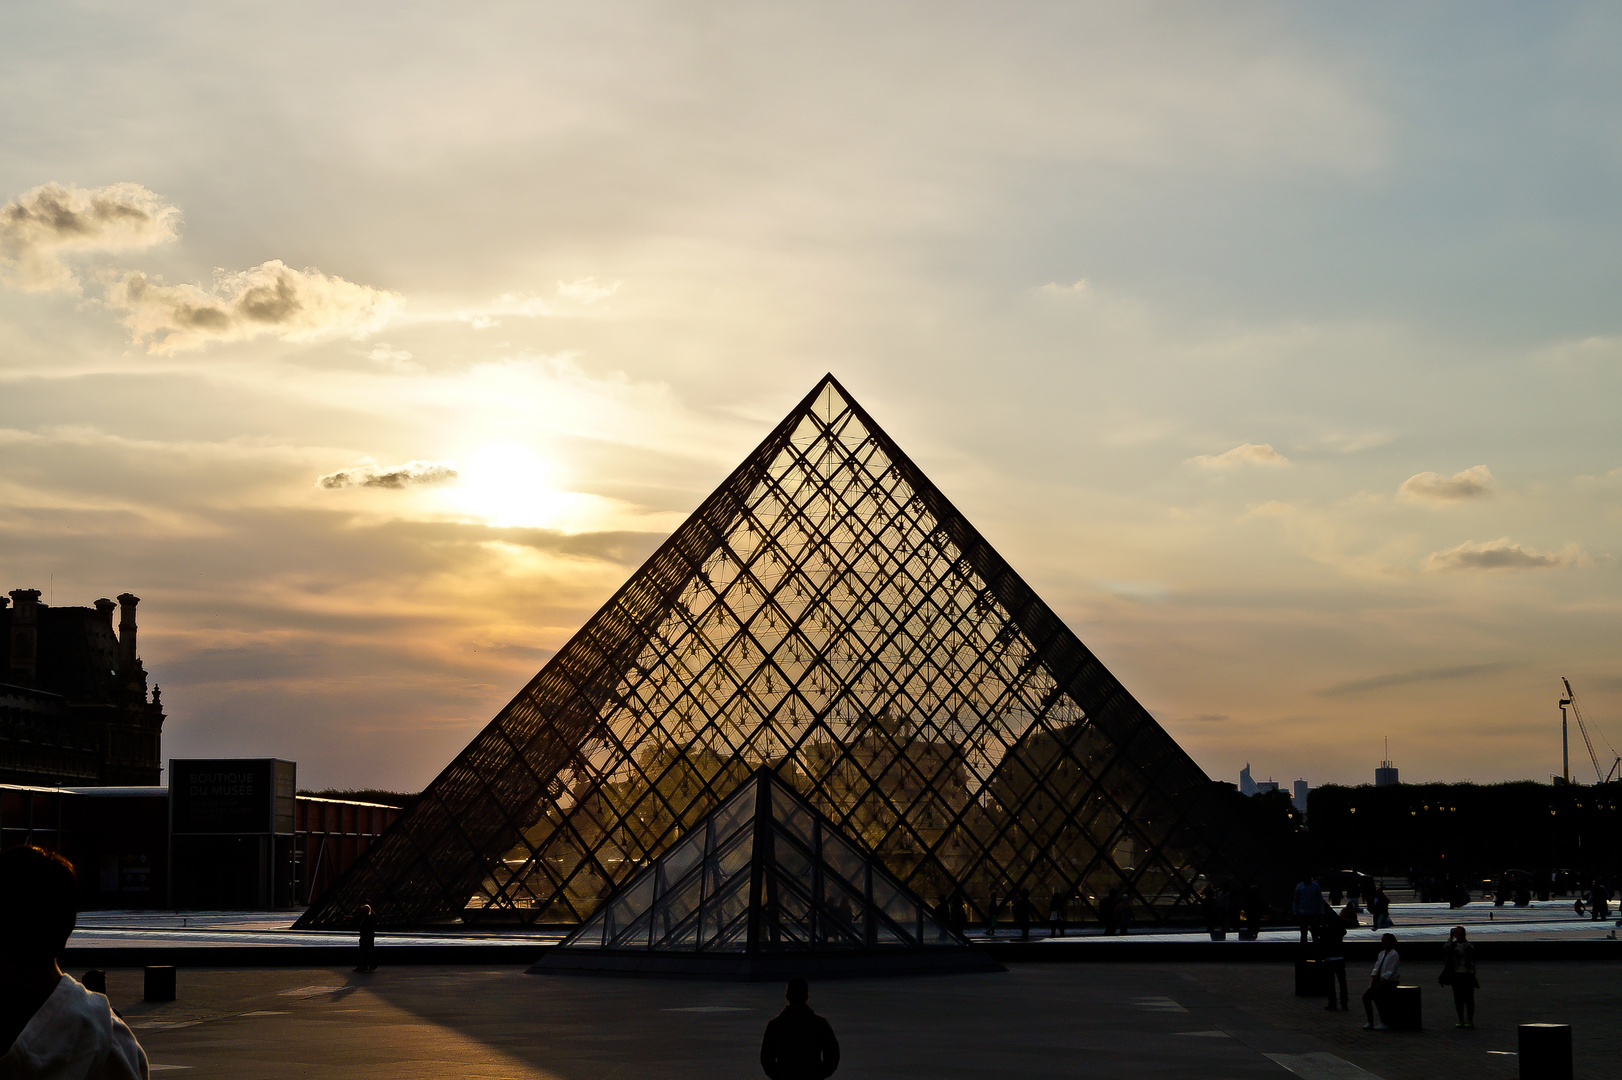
{"x":1277,"y":346}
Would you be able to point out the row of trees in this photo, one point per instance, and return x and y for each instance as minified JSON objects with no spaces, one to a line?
{"x":1457,"y":832}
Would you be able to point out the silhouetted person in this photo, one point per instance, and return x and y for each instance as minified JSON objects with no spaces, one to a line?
{"x":799,"y":1044}
{"x":1023,"y":910}
{"x":1382,"y":981}
{"x":1106,"y":910}
{"x":368,"y":939}
{"x":1600,"y":900}
{"x":960,"y":913}
{"x":1308,"y":904}
{"x":1380,"y":908}
{"x":1459,"y":973}
{"x":1331,"y":933}
{"x":1255,"y":913}
{"x":50,"y":1024}
{"x":1056,"y":913}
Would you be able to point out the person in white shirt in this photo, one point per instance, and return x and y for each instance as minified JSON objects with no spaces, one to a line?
{"x":51,"y":1026}
{"x":1382,"y":981}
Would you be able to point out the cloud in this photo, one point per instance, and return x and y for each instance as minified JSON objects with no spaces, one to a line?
{"x":271,"y":298}
{"x":1243,"y":454}
{"x":1080,"y":285}
{"x":587,"y":290}
{"x":53,"y":220}
{"x":1434,"y":487}
{"x":372,"y":475}
{"x":389,"y":358}
{"x":1501,"y":554}
{"x":575,"y":297}
{"x":1405,"y":678}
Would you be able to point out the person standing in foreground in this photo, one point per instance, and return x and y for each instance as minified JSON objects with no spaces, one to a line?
{"x":799,"y":1044}
{"x":50,"y":1024}
{"x":1382,"y":981}
{"x":1459,"y":972}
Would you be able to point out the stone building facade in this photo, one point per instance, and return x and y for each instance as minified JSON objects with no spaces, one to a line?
{"x":74,"y":704}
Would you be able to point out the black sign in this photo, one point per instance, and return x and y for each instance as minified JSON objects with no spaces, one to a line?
{"x":221,"y":795}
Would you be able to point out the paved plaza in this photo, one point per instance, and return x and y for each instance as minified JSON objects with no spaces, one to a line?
{"x":1145,"y":1021}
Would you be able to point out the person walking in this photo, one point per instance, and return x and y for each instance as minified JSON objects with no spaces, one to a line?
{"x":1056,"y":913}
{"x":1459,"y":972}
{"x":1106,"y":911}
{"x":1332,"y":956}
{"x":368,"y":939}
{"x":1224,"y":910}
{"x":1382,"y":981}
{"x":1380,"y":908}
{"x":799,"y":1044}
{"x":1308,"y":904}
{"x":1600,"y":900}
{"x":991,"y":919}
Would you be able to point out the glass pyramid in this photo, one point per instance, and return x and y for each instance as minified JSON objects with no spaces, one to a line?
{"x":763,"y":872}
{"x":829,"y":614}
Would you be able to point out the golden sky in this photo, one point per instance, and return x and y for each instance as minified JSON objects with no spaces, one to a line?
{"x":374,"y":345}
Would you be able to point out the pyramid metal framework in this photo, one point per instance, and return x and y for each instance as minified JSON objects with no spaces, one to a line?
{"x":829,"y":613}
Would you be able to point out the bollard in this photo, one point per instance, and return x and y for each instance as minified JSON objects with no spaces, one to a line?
{"x":1545,"y":1051}
{"x":1310,"y":978}
{"x":160,"y":983}
{"x":1403,"y":1010}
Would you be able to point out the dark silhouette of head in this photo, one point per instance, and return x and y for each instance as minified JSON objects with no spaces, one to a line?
{"x":1388,"y":940}
{"x":39,"y":903}
{"x":799,"y":991}
{"x":94,"y":980}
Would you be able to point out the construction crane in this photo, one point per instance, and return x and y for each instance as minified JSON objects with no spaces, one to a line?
{"x":1570,"y":700}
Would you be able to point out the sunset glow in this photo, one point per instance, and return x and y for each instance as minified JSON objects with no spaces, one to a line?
{"x":374,"y":348}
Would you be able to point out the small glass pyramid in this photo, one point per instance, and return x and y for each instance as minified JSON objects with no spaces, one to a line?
{"x":763,"y":874}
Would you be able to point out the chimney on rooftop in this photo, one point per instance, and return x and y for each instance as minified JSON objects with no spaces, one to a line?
{"x":126,"y":632}
{"x":105,"y":607}
{"x":24,"y":637}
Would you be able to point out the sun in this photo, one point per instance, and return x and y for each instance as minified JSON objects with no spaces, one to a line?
{"x":509,"y":485}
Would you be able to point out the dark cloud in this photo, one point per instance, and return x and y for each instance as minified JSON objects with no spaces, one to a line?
{"x":1405,"y":678}
{"x":1434,"y":487}
{"x":410,"y":474}
{"x":53,"y":220}
{"x":271,"y":298}
{"x":1499,"y":554}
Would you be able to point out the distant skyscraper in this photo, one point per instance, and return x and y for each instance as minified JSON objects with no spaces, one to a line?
{"x":1300,"y":796}
{"x":1247,"y":786}
{"x":1386,"y":774}
{"x":1264,"y":786}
